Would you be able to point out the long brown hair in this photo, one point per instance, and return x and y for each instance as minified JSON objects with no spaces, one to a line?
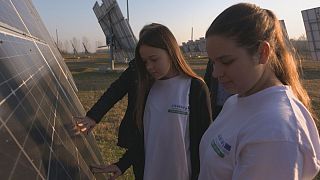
{"x":158,"y":36}
{"x":248,"y":25}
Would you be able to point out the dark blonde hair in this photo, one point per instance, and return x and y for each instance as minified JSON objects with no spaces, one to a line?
{"x":157,"y":36}
{"x":249,"y":25}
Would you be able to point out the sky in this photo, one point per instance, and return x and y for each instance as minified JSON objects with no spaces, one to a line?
{"x":75,"y":18}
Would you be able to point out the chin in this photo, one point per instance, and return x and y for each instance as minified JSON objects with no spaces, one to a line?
{"x":157,"y":77}
{"x":231,"y":90}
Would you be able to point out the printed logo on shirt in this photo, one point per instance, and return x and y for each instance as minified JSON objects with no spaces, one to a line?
{"x":220,"y":146}
{"x":179,"y":109}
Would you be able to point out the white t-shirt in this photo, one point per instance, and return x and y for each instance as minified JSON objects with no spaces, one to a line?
{"x":267,"y":135}
{"x":166,"y":131}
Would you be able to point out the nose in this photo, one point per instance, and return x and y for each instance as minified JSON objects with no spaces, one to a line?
{"x":148,"y":66}
{"x":216,"y":71}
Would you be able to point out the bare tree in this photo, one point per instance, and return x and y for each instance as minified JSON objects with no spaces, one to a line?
{"x":66,"y":46}
{"x":58,"y":44}
{"x":86,"y":43}
{"x":302,"y":37}
{"x":75,"y":43}
{"x":301,"y":46}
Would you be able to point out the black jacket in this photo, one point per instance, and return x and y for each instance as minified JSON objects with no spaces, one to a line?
{"x":126,"y":83}
{"x":199,"y":121}
{"x":211,"y":82}
{"x":213,"y":85}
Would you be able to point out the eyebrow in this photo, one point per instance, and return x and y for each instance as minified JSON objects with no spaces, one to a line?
{"x":151,"y":56}
{"x":222,"y":57}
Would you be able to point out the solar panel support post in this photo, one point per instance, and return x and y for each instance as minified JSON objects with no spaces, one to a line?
{"x":111,"y":46}
{"x":128,"y":10}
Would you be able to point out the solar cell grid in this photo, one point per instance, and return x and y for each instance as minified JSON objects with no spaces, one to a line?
{"x":311,"y":19}
{"x":37,"y":102}
{"x":9,"y":16}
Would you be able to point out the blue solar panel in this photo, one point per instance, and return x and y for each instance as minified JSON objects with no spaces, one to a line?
{"x":37,"y":102}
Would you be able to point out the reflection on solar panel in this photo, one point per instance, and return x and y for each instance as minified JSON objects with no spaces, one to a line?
{"x":37,"y":102}
{"x":117,"y":30}
{"x":311,"y":19}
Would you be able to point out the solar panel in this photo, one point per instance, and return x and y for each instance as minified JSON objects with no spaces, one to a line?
{"x":284,"y":29}
{"x":37,"y":102}
{"x":311,"y":19}
{"x":117,"y":30}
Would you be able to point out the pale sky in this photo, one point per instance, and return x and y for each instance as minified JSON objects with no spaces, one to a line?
{"x":75,"y":18}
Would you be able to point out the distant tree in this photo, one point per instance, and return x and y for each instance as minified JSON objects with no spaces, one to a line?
{"x":60,"y":46}
{"x":86,"y":42}
{"x":300,"y":44}
{"x":66,"y":46}
{"x":302,"y":37}
{"x":75,"y":43}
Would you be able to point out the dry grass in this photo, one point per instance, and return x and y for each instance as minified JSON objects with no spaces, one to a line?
{"x":311,"y":74}
{"x":92,"y":83}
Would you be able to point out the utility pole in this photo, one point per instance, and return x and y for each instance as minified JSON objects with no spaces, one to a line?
{"x":128,"y":10}
{"x":57,"y":42}
{"x":111,"y":43}
{"x":192,"y":33}
{"x":57,"y":38}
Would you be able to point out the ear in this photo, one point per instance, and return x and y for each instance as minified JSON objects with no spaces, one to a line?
{"x":263,"y":52}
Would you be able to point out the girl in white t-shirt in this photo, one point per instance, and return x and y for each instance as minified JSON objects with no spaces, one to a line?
{"x":173,"y":109}
{"x":267,"y":130}
{"x":172,"y":112}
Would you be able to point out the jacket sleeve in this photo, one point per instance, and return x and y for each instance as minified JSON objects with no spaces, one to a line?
{"x":200,"y":119}
{"x":117,"y":90}
{"x":125,"y":161}
{"x":134,"y":155}
{"x":204,"y":103}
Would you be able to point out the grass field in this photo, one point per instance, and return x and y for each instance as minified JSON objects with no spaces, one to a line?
{"x":92,"y":82}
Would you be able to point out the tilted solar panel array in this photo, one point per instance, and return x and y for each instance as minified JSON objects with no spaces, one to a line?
{"x":117,"y":28}
{"x":311,"y":19}
{"x":37,"y":102}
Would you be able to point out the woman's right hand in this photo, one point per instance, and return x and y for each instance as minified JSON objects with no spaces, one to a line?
{"x":113,"y":169}
{"x":85,"y":124}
